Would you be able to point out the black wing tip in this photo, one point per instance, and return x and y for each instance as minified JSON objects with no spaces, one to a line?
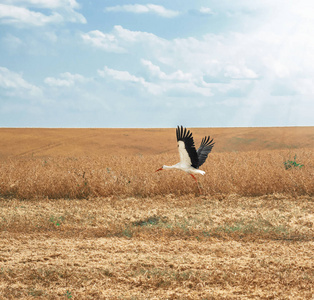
{"x":183,"y":133}
{"x":206,"y":141}
{"x":205,"y":148}
{"x":179,"y":131}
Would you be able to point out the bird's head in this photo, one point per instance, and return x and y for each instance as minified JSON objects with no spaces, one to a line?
{"x":160,"y":169}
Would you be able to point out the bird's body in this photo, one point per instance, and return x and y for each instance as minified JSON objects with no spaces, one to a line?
{"x":184,"y":167}
{"x":190,"y":158}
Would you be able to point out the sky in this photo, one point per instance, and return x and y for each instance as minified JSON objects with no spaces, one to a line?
{"x":113,"y":63}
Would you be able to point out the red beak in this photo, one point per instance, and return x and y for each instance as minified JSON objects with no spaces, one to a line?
{"x":159,"y":170}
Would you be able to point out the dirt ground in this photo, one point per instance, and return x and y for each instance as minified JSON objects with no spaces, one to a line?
{"x":165,"y":247}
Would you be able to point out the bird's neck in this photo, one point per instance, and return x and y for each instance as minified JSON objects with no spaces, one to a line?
{"x":169,"y":167}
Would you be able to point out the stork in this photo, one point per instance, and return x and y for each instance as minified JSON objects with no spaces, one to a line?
{"x":190,"y":159}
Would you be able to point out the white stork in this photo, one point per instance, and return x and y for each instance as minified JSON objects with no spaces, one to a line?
{"x":190,"y":159}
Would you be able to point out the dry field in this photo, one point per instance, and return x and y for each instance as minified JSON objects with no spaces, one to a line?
{"x":84,"y":216}
{"x":86,"y":142}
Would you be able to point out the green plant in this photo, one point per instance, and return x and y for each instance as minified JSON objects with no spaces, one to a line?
{"x":57,"y":221}
{"x":292,"y":164}
{"x":68,"y":295}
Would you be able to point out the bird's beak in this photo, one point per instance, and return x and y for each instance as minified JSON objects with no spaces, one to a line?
{"x":160,"y":169}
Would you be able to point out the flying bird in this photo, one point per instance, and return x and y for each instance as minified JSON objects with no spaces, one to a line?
{"x":190,"y":158}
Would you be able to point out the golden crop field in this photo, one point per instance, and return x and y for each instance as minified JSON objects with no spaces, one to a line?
{"x":83,"y":215}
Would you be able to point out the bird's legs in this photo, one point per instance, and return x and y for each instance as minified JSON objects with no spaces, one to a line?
{"x":194,"y":178}
{"x":198,"y":185}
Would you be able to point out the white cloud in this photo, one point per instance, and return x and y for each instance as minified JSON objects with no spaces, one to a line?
{"x":15,"y":84}
{"x":245,"y":72}
{"x":155,"y":71}
{"x":121,"y":40}
{"x":66,"y":80}
{"x":147,"y":8}
{"x":105,"y":41}
{"x":128,"y":37}
{"x":121,"y":75}
{"x":44,"y":3}
{"x":174,"y":84}
{"x":199,"y":57}
{"x":10,"y":14}
{"x":239,"y":72}
{"x":23,"y":13}
{"x":190,"y":60}
{"x":125,"y":76}
{"x":178,"y":82}
{"x":206,"y":11}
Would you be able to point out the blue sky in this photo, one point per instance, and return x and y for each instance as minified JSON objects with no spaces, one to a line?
{"x":105,"y":63}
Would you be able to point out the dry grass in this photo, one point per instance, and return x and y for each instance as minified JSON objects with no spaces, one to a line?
{"x":106,"y":226}
{"x":158,"y":248}
{"x":252,"y":173}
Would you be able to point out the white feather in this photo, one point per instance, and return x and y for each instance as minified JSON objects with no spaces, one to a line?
{"x":184,"y":156}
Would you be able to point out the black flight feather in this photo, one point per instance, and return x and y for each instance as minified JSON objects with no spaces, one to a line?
{"x":204,"y":149}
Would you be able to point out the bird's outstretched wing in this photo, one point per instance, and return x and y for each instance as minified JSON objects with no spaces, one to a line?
{"x":186,"y":147}
{"x":205,"y":148}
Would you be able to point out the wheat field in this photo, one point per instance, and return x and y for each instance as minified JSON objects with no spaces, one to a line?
{"x":253,"y":173}
{"x":83,"y":215}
